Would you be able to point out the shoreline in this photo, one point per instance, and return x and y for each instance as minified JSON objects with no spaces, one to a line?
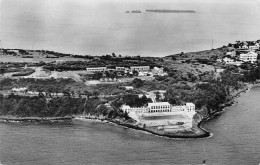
{"x":34,"y":119}
{"x":230,"y":103}
{"x":198,"y":133}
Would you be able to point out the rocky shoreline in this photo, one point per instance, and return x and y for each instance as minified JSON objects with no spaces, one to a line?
{"x":197,"y":132}
{"x":34,"y":119}
{"x":229,"y":103}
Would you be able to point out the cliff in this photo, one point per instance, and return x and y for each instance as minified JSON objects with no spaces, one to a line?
{"x":21,"y":106}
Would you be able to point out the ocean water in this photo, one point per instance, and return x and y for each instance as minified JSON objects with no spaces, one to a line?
{"x":97,"y":27}
{"x":235,"y":140}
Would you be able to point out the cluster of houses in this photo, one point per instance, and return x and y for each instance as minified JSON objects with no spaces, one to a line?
{"x":243,"y":52}
{"x":142,"y":70}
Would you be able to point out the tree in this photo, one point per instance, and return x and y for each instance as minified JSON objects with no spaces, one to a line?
{"x":137,"y":83}
{"x":135,"y":73}
{"x":2,"y":70}
{"x":88,"y":93}
{"x":96,"y":93}
{"x":158,"y":95}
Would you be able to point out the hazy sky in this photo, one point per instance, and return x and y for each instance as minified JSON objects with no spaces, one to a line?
{"x":100,"y":26}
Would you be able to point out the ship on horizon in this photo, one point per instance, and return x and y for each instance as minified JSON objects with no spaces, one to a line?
{"x":170,"y":11}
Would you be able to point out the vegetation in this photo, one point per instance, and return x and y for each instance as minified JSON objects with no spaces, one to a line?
{"x":24,"y":72}
{"x":131,"y":100}
{"x":37,"y":106}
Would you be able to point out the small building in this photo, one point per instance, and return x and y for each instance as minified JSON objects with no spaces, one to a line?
{"x":59,"y":61}
{"x":140,"y":68}
{"x":127,"y":87}
{"x":120,"y":68}
{"x":19,"y":89}
{"x":12,"y":51}
{"x":228,"y":60}
{"x":244,"y":47}
{"x":249,"y":57}
{"x":96,"y":69}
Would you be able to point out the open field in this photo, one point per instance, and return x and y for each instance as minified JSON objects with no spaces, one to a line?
{"x":36,"y":59}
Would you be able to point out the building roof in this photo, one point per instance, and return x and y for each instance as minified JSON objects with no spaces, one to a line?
{"x":158,"y":103}
{"x":190,"y":104}
{"x":138,"y":66}
{"x":126,"y":106}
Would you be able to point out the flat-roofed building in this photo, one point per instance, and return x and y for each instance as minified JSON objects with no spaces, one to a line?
{"x":159,"y":107}
{"x":249,"y":57}
{"x":140,"y":68}
{"x":120,"y":68}
{"x":96,"y":69}
{"x":162,"y":114}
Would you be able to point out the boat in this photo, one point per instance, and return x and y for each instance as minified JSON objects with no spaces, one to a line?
{"x":170,"y":11}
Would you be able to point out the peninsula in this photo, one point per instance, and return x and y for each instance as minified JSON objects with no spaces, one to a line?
{"x":169,"y":96}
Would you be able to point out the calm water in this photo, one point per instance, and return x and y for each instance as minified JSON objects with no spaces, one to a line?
{"x":100,"y":26}
{"x":235,"y":140}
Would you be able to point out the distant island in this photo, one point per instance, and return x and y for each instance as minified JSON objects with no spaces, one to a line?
{"x":171,"y":11}
{"x":134,"y":11}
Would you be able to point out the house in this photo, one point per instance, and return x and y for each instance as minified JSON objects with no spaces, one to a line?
{"x":249,"y":57}
{"x":229,"y":61}
{"x":254,"y":47}
{"x":244,"y":47}
{"x":159,"y":71}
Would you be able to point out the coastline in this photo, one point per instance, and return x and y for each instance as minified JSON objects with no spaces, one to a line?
{"x":231,"y":102}
{"x":34,"y":119}
{"x":196,"y":132}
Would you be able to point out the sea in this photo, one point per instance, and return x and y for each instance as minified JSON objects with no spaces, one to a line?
{"x":99,"y":27}
{"x":234,"y":140}
{"x":102,"y":27}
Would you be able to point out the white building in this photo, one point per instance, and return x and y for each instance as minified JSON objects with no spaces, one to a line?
{"x":244,"y":47}
{"x":128,"y":87}
{"x":96,"y":69}
{"x":253,"y":47}
{"x":120,"y":68}
{"x":229,"y":61}
{"x":12,"y":51}
{"x":140,"y":68}
{"x":232,"y":54}
{"x":162,"y":114}
{"x":19,"y":89}
{"x":249,"y":57}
